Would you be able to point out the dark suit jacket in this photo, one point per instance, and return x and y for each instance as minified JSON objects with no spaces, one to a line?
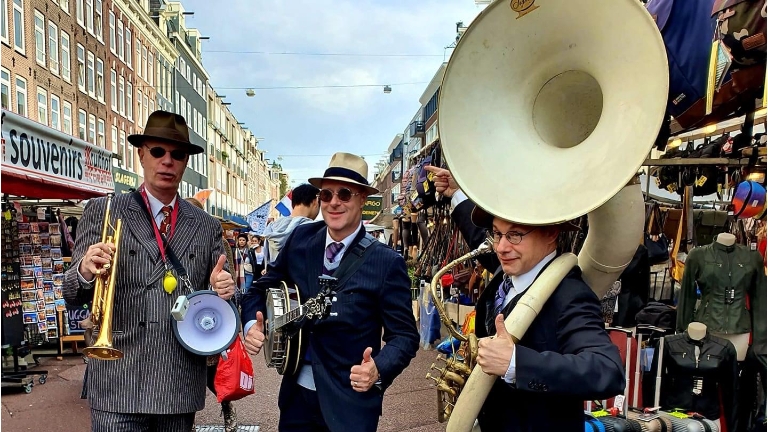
{"x":376,"y":296}
{"x":564,"y":358}
{"x":157,"y":375}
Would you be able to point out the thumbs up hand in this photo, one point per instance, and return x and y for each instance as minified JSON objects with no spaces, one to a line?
{"x":495,"y":353}
{"x":254,"y":339}
{"x":222,"y":281}
{"x":364,"y":375}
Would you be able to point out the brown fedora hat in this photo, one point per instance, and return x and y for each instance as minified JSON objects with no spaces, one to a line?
{"x":347,"y":168}
{"x":166,"y":127}
{"x":483,"y":219}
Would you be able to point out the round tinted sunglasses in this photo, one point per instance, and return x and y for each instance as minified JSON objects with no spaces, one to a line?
{"x":177,"y":154}
{"x":344,"y":194}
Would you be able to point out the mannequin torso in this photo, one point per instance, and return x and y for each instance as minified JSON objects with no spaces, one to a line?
{"x":739,"y":340}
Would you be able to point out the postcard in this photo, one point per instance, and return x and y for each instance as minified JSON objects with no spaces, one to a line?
{"x":56,"y":254}
{"x":27,"y":284}
{"x":49,"y":297}
{"x":55,"y":240}
{"x":30,"y":317}
{"x":42,"y":327}
{"x":54,"y":228}
{"x":53,"y":333}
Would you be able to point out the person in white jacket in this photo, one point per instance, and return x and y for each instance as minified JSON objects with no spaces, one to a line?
{"x":306,"y":207}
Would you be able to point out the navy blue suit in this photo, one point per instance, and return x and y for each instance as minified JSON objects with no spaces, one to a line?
{"x":377,"y":296}
{"x":564,"y":358}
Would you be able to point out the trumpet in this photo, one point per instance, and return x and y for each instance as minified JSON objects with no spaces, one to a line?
{"x":104,"y":293}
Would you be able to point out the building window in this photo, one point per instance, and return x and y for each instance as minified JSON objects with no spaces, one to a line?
{"x":80,"y":13}
{"x":113,"y":90}
{"x":18,"y":25}
{"x":21,"y":96}
{"x":113,"y":142}
{"x":39,"y":37}
{"x":91,"y":128}
{"x":55,"y":112}
{"x":121,"y":150}
{"x":100,"y":134}
{"x":139,"y":119}
{"x":67,"y":117}
{"x":5,"y":88}
{"x":129,"y":101}
{"x":144,"y":62}
{"x":4,"y":21}
{"x":64,"y":5}
{"x":128,"y":51}
{"x":89,"y":15}
{"x":150,"y":69}
{"x":120,"y":46}
{"x":42,"y":106}
{"x":98,"y":20}
{"x":81,"y":124}
{"x":81,"y":68}
{"x":121,"y":96}
{"x":112,"y":43}
{"x":100,"y":80}
{"x":176,"y":103}
{"x":53,"y":47}
{"x":146,"y":107}
{"x":138,"y":57}
{"x":65,"y":57}
{"x":91,"y":78}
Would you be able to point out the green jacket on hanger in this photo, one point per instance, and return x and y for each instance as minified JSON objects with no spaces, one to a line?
{"x":731,"y":280}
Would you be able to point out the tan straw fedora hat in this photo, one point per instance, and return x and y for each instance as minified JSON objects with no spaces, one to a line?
{"x":347,"y":168}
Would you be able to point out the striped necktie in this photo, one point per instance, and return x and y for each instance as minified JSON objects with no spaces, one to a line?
{"x":501,"y":294}
{"x":331,"y":251}
{"x":165,"y":225}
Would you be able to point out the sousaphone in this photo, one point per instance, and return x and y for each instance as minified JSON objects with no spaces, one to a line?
{"x":546,"y":112}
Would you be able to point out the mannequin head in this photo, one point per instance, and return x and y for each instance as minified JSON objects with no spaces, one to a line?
{"x":697,"y":330}
{"x":726,"y":239}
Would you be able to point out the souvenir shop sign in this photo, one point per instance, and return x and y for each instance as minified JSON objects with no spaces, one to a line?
{"x":42,"y":162}
{"x":372,"y":207}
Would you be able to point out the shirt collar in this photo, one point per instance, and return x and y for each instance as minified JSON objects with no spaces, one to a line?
{"x":525,"y":280}
{"x":346,"y":241}
{"x":156,"y":205}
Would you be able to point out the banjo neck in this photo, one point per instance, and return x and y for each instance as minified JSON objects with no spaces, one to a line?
{"x":292,"y":316}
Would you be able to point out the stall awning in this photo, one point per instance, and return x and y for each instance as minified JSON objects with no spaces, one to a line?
{"x":41,"y":162}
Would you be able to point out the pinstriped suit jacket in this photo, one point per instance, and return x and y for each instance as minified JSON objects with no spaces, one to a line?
{"x":156,"y":375}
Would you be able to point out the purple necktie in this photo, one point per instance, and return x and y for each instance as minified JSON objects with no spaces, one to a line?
{"x":331,"y":251}
{"x":501,"y":294}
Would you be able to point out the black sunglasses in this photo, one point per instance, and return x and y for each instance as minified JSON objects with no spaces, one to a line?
{"x":158,"y":152}
{"x":344,"y":194}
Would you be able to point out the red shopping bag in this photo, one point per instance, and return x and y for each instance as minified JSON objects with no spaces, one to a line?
{"x":234,"y":374}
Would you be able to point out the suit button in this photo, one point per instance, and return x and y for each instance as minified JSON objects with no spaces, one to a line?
{"x":142,"y":324}
{"x":544,"y":387}
{"x":532,"y":385}
{"x":149,"y":287}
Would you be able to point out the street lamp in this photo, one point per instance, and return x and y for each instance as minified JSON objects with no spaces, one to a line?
{"x":387,"y":89}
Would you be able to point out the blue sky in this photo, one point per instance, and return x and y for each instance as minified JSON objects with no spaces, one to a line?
{"x":306,"y":126}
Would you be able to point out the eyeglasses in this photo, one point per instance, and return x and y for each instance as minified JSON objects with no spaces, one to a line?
{"x":344,"y":194}
{"x":158,"y":152}
{"x":513,"y":237}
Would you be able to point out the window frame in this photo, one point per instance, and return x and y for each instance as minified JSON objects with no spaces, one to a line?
{"x":68,"y":63}
{"x":100,"y":80}
{"x":42,"y":106}
{"x":129,"y":101}
{"x":128,"y":47}
{"x":90,"y":76}
{"x":112,"y":36}
{"x":23,"y":91}
{"x":5,"y":83}
{"x":121,"y":95}
{"x":53,"y":47}
{"x":66,"y":119}
{"x":98,"y":20}
{"x":91,"y":129}
{"x":19,"y":45}
{"x":40,"y":37}
{"x":80,"y":12}
{"x":82,"y":124}
{"x":120,"y":42}
{"x":101,"y":138}
{"x":81,"y":82}
{"x":113,"y":89}
{"x":55,"y":113}
{"x":5,"y":25}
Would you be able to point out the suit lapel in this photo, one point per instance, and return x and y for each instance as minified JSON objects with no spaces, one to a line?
{"x":183,"y":237}
{"x":314,"y":262}
{"x":138,"y":223}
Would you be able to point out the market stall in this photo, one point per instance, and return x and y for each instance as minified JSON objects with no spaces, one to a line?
{"x":44,"y":173}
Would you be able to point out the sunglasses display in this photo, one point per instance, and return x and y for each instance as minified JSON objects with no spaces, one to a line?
{"x":158,"y":152}
{"x":344,"y":194}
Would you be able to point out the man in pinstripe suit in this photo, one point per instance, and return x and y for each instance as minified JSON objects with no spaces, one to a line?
{"x":157,"y":385}
{"x":345,"y":370}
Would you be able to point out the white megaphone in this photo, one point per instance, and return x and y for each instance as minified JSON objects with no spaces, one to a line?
{"x":204,"y":323}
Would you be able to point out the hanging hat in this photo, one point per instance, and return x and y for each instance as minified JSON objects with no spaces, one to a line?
{"x":347,"y":168}
{"x":483,"y":219}
{"x":166,"y":127}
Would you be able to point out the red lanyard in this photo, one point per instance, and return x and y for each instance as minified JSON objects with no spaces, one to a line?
{"x":174,"y":213}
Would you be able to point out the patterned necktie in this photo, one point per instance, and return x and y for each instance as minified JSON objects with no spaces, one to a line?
{"x":165,"y":225}
{"x":501,"y":294}
{"x":331,"y":251}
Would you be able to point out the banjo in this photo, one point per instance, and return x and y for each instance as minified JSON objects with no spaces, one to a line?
{"x":285,"y":317}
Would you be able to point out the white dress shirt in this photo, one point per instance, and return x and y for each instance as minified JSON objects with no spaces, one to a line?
{"x":156,"y":208}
